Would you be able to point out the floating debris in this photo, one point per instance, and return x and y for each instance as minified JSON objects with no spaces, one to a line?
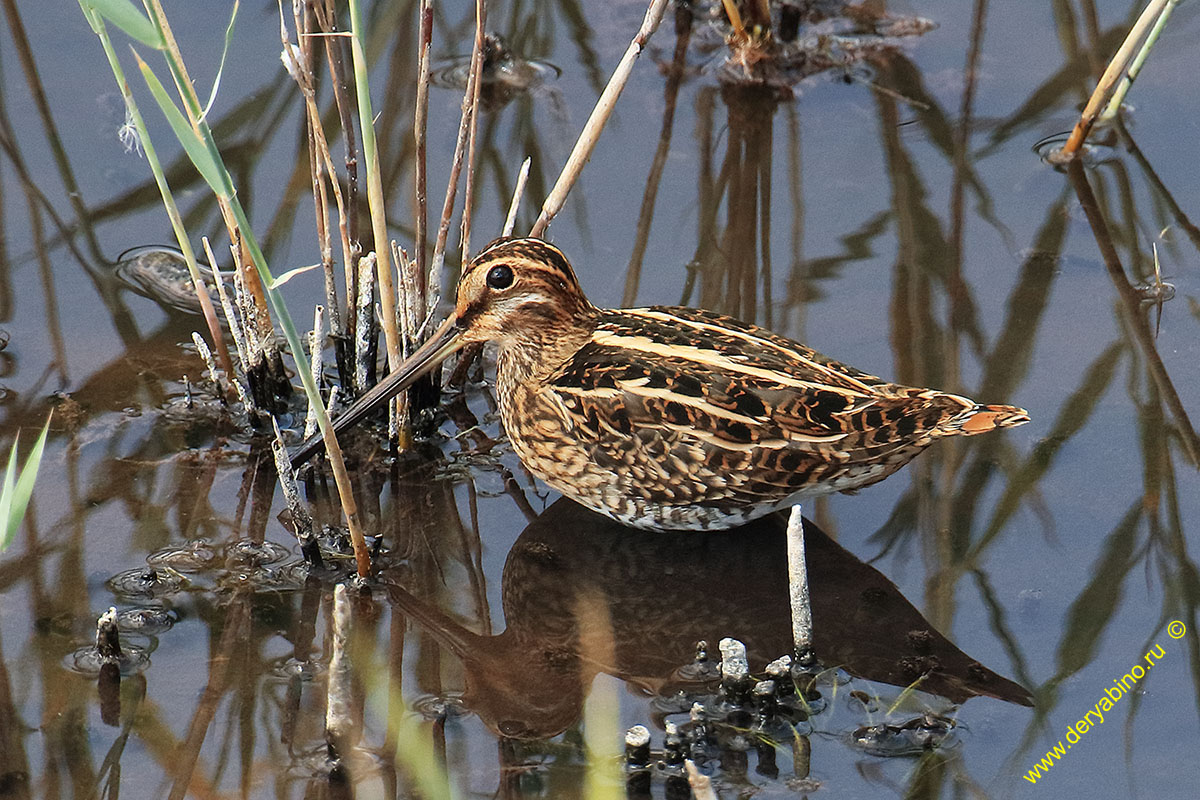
{"x":247,"y":553}
{"x":149,"y":581}
{"x":727,"y":727}
{"x":434,"y":707}
{"x":782,"y":45}
{"x":1155,"y":291}
{"x":702,"y":669}
{"x":294,"y":574}
{"x":911,"y":738}
{"x":294,"y":668}
{"x":504,"y":74}
{"x":860,"y":701}
{"x":192,"y":556}
{"x":147,"y":620}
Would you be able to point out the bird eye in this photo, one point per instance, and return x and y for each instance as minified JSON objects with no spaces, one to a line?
{"x":500,"y":277}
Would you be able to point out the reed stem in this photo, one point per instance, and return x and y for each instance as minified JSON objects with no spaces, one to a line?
{"x":366,"y":121}
{"x":1119,"y":63}
{"x":603,"y":109}
{"x":1130,"y":75}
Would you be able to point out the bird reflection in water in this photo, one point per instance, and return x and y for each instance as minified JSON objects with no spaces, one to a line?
{"x":660,"y":595}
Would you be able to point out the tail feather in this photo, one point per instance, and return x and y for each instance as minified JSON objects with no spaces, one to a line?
{"x":983,"y":418}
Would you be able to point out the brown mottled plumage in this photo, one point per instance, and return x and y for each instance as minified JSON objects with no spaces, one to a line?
{"x":673,"y":418}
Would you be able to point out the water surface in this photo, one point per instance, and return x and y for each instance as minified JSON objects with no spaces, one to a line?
{"x":892,"y":214}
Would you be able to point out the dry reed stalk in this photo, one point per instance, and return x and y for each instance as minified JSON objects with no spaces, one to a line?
{"x":375,"y":201}
{"x":514,"y":205}
{"x":760,"y":12}
{"x":735,"y":18}
{"x":464,"y":124}
{"x":301,"y":70}
{"x":586,"y":142}
{"x":235,"y":331}
{"x":347,"y":210}
{"x":1135,"y":67}
{"x":399,"y":425}
{"x":302,"y":524}
{"x":245,"y":309}
{"x":233,"y":212}
{"x":410,"y":312}
{"x":256,"y":311}
{"x":192,"y":106}
{"x":209,"y":364}
{"x":477,"y":69}
{"x":235,"y":326}
{"x":253,"y":302}
{"x":364,"y":306}
{"x":214,"y":326}
{"x":420,"y":132}
{"x":316,"y":365}
{"x":1116,"y":67}
{"x":323,"y":170}
{"x":348,"y":250}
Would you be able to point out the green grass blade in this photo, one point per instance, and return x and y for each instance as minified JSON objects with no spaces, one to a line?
{"x":16,"y":499}
{"x":212,"y":96}
{"x":128,"y":18}
{"x":197,"y":150}
{"x":196,"y":138}
{"x":291,"y":273}
{"x":6,"y":490}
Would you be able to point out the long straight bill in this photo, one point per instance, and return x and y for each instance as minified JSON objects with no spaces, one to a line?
{"x":444,"y":341}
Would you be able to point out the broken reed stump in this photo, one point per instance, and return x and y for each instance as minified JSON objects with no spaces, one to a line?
{"x":108,"y":684}
{"x":801,"y":604}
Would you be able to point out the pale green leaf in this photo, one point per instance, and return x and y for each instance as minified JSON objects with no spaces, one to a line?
{"x":195,"y":148}
{"x":6,"y":491}
{"x":125,"y":15}
{"x":212,"y":96}
{"x":16,"y":499}
{"x":291,"y":273}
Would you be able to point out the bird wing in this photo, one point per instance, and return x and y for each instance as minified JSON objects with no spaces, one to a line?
{"x":715,"y":376}
{"x":695,"y":387}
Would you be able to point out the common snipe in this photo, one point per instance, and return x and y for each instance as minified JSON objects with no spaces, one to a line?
{"x":672,"y":418}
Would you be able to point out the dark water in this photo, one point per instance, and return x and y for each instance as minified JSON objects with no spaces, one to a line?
{"x":892,"y":214}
